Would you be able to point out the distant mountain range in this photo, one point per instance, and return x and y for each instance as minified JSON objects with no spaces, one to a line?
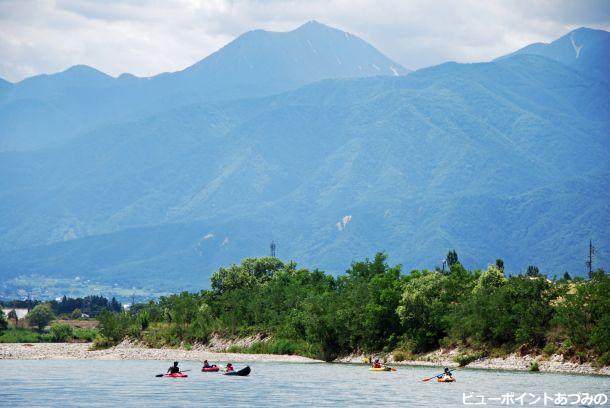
{"x":313,"y":139}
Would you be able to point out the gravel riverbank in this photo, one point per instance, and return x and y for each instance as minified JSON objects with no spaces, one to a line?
{"x":444,"y":358}
{"x":127,"y":351}
{"x":130,"y":351}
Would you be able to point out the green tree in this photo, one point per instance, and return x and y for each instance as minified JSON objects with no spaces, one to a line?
{"x":13,"y":315}
{"x":76,"y":314}
{"x":40,"y":316}
{"x":452,"y":258}
{"x":500,"y":264}
{"x":532,"y":271}
{"x":3,"y":322}
{"x":250,"y":272}
{"x":422,"y":310}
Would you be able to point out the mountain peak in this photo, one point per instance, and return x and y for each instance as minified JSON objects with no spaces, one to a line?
{"x":265,"y":62}
{"x":584,"y":49}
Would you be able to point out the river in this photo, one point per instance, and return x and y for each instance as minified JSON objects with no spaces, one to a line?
{"x":94,"y":383}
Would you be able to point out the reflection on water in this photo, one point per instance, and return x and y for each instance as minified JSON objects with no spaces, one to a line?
{"x":133,"y":384}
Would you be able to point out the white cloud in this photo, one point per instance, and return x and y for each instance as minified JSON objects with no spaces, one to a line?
{"x":146,"y":37}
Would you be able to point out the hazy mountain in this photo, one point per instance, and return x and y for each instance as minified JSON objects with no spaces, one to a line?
{"x":584,"y":49}
{"x":502,"y":159}
{"x":48,"y":109}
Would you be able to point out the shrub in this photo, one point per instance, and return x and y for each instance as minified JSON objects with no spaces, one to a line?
{"x":101,"y":343}
{"x":534,"y":366}
{"x":549,"y":349}
{"x":465,"y":359}
{"x":76,"y":314}
{"x":61,"y":332}
{"x":603,"y":360}
{"x":85,"y":334}
{"x":402,"y":355}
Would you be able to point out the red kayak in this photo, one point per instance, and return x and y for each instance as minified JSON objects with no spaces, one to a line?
{"x":176,"y":375}
{"x":213,"y":369}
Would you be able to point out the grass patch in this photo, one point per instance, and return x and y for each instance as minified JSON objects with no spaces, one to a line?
{"x":279,"y":346}
{"x":18,"y":335}
{"x":87,"y":334}
{"x":465,"y":359}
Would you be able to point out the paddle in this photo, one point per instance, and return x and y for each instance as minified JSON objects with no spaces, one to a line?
{"x":434,"y":376}
{"x":441,"y":374}
{"x":182,"y":371}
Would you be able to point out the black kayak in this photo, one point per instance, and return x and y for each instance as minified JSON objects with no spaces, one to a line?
{"x":242,"y":373}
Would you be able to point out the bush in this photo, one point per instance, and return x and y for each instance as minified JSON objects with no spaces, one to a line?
{"x":85,"y":334}
{"x":549,"y":349}
{"x":101,"y":343}
{"x":534,"y":366}
{"x":465,"y":359}
{"x":402,"y":355}
{"x":603,"y":360}
{"x":61,"y":332}
{"x":114,"y":326}
{"x":76,"y":314}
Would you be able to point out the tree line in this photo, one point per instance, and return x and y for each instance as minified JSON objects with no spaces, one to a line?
{"x":375,"y":307}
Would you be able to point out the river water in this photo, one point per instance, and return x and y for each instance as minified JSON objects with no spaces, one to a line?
{"x":91,"y":383}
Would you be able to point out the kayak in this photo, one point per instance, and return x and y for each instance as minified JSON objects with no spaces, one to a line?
{"x":210,"y":369}
{"x":176,"y":375}
{"x":242,"y":373}
{"x":445,"y":379}
{"x":380,"y":369}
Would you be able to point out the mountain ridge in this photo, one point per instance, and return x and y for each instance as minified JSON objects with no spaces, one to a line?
{"x":499,"y":159}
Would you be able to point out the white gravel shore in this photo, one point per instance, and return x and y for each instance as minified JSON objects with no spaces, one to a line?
{"x":444,"y":358}
{"x":129,"y":351}
{"x":126,"y":351}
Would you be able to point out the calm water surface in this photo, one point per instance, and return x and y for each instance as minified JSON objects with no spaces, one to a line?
{"x":79,"y":383}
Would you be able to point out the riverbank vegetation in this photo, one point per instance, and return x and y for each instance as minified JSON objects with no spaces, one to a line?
{"x":43,"y":324}
{"x":375,"y":307}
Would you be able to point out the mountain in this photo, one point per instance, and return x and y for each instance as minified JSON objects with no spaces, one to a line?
{"x":258,"y":63}
{"x":501,"y":159}
{"x":584,"y":49}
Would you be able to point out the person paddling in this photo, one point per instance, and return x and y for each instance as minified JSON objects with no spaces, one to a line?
{"x":174,"y":369}
{"x":207,"y":365}
{"x":447,"y":374}
{"x":229,"y":368}
{"x":377,"y":364}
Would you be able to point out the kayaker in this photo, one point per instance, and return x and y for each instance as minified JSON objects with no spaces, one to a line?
{"x":376,"y":364}
{"x":229,"y":368}
{"x":174,"y":369}
{"x":447,"y":374}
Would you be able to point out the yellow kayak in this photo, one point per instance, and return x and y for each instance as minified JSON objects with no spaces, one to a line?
{"x":381,"y":369}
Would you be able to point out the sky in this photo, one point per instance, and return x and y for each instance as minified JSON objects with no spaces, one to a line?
{"x":147,"y":37}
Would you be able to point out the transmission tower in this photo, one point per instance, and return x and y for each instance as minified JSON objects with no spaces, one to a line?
{"x":589,"y":262}
{"x":272,"y":248}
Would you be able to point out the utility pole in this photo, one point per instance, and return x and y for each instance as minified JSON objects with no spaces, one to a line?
{"x":272,"y":247}
{"x":589,"y":262}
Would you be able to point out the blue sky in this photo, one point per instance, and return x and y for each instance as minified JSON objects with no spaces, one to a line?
{"x":146,"y":37}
